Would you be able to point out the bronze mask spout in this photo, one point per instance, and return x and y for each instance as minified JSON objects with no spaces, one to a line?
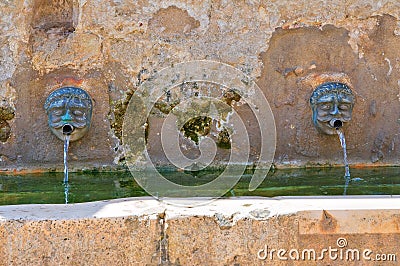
{"x":336,"y":123}
{"x":67,"y":129}
{"x":332,"y":106}
{"x":69,"y":111}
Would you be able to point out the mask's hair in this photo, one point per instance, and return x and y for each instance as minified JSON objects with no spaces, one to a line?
{"x":68,"y":92}
{"x":330,"y":87}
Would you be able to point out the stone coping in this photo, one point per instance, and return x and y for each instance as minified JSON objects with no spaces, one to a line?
{"x":235,"y":208}
{"x":344,"y":230}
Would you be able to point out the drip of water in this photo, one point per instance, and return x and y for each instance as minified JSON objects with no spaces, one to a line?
{"x":346,"y":184}
{"x":66,"y":192}
{"x":66,"y":145}
{"x":66,"y":185}
{"x":346,"y":163}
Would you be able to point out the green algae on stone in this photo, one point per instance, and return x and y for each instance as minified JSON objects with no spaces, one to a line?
{"x":117,"y":114}
{"x":5,"y":131}
{"x":6,"y":113}
{"x":197,"y":127}
{"x":224,"y":140}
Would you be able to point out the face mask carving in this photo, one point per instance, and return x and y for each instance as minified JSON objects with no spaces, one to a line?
{"x":69,"y":111}
{"x":332,"y":105}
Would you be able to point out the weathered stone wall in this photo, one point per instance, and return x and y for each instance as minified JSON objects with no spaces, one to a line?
{"x":109,"y":48}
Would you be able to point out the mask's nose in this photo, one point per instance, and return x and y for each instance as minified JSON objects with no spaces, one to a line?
{"x":335,"y":110}
{"x":67,"y":116}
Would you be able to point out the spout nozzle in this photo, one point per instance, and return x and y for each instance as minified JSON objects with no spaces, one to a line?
{"x":67,"y":129}
{"x":336,"y":123}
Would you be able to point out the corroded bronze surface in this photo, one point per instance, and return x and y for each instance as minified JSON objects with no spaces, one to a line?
{"x":69,"y":111}
{"x":332,"y":105}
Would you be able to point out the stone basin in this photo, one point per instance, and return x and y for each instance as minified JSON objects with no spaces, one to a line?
{"x":236,"y":231}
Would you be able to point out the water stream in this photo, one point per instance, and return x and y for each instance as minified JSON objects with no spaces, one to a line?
{"x":66,"y":185}
{"x":346,"y":163}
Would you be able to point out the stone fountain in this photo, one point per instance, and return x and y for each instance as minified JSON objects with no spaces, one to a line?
{"x":288,"y":49}
{"x":69,"y":111}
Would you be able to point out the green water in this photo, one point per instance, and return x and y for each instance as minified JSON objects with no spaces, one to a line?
{"x":85,"y":187}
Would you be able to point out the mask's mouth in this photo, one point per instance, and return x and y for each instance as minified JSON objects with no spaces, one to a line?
{"x":75,"y":124}
{"x":67,"y":129}
{"x":336,"y":123}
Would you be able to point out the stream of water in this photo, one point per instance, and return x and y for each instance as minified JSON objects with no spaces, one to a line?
{"x":346,"y":163}
{"x":66,"y":185}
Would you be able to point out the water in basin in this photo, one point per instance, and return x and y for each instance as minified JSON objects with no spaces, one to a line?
{"x":48,"y":188}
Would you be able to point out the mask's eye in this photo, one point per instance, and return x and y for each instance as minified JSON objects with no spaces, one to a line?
{"x":78,"y":113}
{"x":57,"y":111}
{"x":325,"y":106}
{"x":344,"y":107}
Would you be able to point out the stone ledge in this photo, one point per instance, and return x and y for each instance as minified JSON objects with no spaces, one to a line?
{"x":257,"y":208}
{"x":235,"y":231}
